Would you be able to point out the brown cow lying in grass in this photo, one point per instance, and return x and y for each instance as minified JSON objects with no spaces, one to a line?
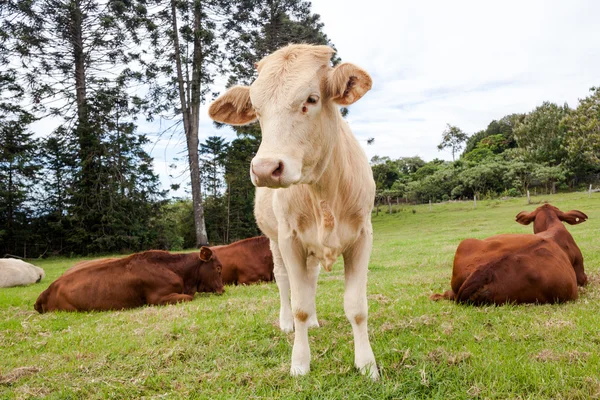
{"x":246,"y":261}
{"x":545,"y":267}
{"x":152,"y":277}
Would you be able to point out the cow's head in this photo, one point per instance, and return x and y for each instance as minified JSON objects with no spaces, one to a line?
{"x":546,"y":214}
{"x":210,"y":272}
{"x":296,"y":99}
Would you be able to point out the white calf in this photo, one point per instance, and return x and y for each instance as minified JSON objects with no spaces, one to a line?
{"x":315,"y":188}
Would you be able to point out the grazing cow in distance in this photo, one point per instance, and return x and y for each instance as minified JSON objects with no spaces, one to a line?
{"x":153,"y":277}
{"x":15,"y":272}
{"x":545,"y":267}
{"x":246,"y":261}
{"x":315,"y":188}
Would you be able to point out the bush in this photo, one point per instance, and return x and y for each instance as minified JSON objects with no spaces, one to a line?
{"x":513,"y":192}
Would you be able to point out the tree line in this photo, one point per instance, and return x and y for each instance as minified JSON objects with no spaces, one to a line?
{"x":550,"y":148}
{"x":96,"y":69}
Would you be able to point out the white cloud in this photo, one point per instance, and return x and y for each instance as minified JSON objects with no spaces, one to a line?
{"x":460,"y":62}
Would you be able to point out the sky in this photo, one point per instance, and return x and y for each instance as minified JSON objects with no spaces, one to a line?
{"x":434,"y":63}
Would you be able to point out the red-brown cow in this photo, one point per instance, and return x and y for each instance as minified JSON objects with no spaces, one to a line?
{"x":152,"y":277}
{"x":545,"y":267}
{"x":246,"y":261}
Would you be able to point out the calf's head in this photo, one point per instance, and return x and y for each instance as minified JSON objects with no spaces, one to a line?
{"x":295,"y":99}
{"x":209,"y":274}
{"x":545,"y":216}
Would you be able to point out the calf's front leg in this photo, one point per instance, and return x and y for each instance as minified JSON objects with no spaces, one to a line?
{"x":303,"y":301}
{"x":356,"y":262}
{"x":286,"y":320}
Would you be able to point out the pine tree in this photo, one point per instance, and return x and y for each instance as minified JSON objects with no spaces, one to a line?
{"x":18,"y":151}
{"x":58,"y":160}
{"x":240,"y":191}
{"x":77,"y":61}
{"x":259,"y":27}
{"x":115,"y":216}
{"x":18,"y":174}
{"x":213,"y":151}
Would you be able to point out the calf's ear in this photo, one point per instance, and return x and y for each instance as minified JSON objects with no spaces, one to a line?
{"x":572,"y":217}
{"x":347,"y":83}
{"x":525,"y":218}
{"x":233,"y":107}
{"x":205,"y":254}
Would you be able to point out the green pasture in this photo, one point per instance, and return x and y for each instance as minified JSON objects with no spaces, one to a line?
{"x":230,"y":347}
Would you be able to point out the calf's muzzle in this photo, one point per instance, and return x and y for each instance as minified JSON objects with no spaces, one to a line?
{"x":267,"y":172}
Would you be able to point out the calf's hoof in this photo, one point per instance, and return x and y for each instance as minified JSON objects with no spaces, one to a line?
{"x":286,"y":325}
{"x":299,"y":370}
{"x":369,"y":370}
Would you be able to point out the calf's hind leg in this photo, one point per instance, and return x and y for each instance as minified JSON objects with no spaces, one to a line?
{"x":312,"y":269}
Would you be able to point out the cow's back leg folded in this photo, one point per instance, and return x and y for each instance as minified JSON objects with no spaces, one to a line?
{"x":448,"y":295}
{"x":172,"y":298}
{"x":475,"y":289}
{"x":167,"y":288}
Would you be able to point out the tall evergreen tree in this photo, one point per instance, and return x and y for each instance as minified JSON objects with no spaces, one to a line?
{"x":259,"y":27}
{"x":240,"y":191}
{"x":58,"y":160}
{"x":214,"y":151}
{"x":116,"y":214}
{"x":18,"y":174}
{"x":18,"y":163}
{"x":67,"y":49}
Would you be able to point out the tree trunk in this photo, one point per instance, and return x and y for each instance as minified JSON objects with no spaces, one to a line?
{"x":192,"y":144}
{"x":79,"y":58}
{"x":228,"y":212}
{"x":9,"y":210}
{"x":190,"y":108}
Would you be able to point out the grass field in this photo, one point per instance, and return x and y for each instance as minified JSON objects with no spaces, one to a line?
{"x":230,"y":346}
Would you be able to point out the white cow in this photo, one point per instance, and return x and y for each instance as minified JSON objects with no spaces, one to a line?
{"x":17,"y":273}
{"x":315,"y":189}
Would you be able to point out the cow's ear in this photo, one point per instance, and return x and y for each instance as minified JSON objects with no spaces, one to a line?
{"x":347,"y":83}
{"x":233,"y":107}
{"x":572,"y":217}
{"x":205,"y":254}
{"x":525,"y":218}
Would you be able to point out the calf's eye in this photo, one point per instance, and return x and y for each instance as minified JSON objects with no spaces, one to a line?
{"x":312,"y":99}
